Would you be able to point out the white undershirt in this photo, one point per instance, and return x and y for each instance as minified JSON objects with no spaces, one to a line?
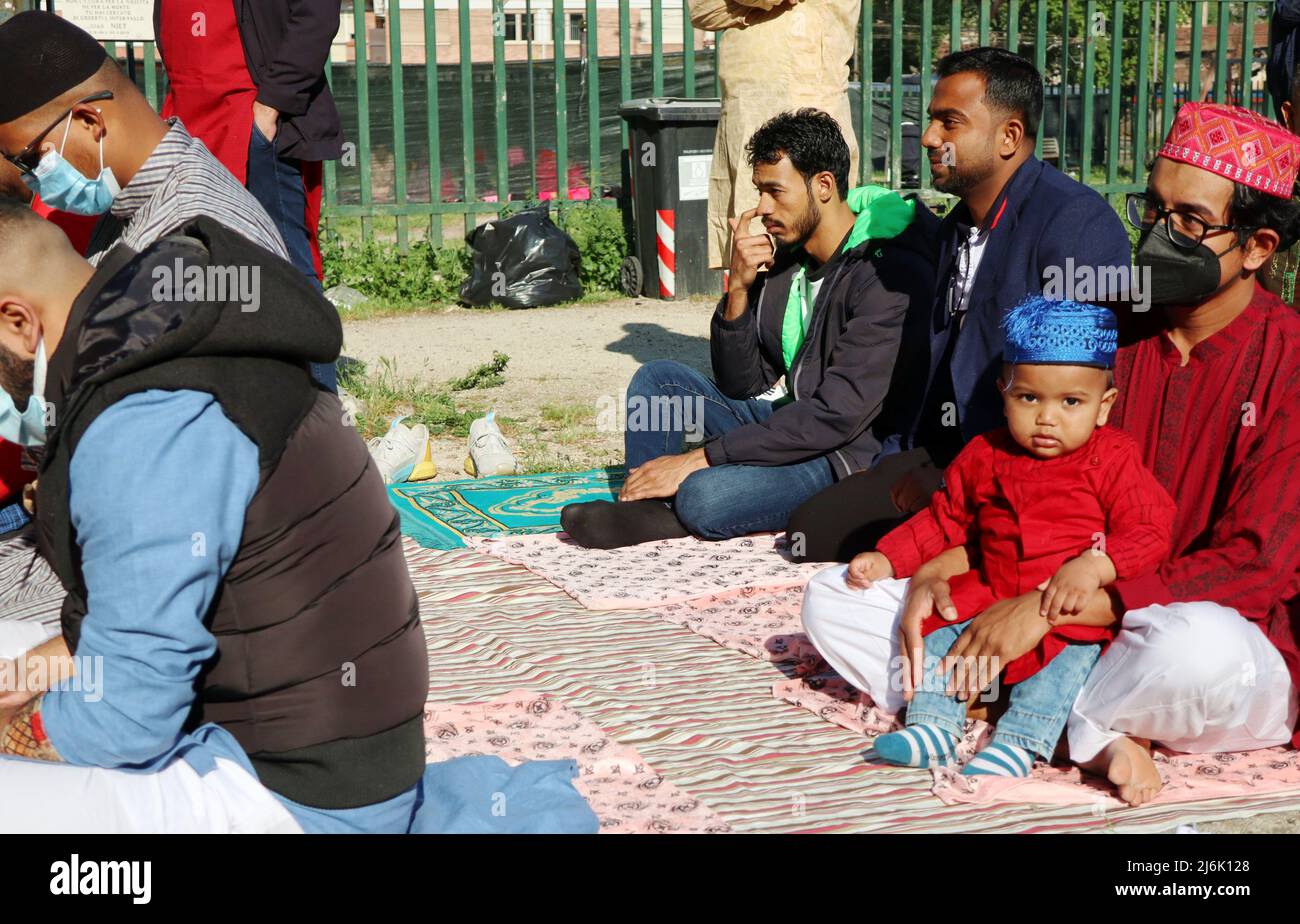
{"x":967,"y":263}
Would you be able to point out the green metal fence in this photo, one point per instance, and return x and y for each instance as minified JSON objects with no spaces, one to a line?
{"x":1115,"y":71}
{"x":448,"y":142}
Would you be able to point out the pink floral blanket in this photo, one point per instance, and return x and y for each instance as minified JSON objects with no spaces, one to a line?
{"x":1188,"y":777}
{"x":626,"y":793}
{"x":760,"y":623}
{"x":653,"y":573}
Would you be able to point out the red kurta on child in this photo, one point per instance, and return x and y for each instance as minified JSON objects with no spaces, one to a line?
{"x":1022,"y":517}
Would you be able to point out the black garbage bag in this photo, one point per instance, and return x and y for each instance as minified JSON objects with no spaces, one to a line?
{"x":523,"y":261}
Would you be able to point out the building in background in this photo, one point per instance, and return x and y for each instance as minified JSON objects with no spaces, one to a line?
{"x":522,"y":21}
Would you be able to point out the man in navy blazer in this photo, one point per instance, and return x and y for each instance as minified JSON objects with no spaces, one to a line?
{"x":1020,"y":227}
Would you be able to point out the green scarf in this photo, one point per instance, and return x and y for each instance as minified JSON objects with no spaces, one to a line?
{"x":882,"y":214}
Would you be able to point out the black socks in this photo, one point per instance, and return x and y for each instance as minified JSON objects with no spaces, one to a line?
{"x":612,"y":525}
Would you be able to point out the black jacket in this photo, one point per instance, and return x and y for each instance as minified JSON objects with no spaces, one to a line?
{"x":286,"y":44}
{"x":842,"y":373}
{"x":1041,"y":220}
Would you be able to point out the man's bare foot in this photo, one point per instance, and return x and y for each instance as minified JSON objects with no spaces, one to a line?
{"x":1128,"y":764}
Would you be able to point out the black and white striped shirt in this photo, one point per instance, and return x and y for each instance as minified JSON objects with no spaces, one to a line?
{"x":180,"y":181}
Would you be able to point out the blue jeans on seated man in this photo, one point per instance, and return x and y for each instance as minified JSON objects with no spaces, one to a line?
{"x":666,"y":402}
{"x":1039,"y":705}
{"x":276,"y":182}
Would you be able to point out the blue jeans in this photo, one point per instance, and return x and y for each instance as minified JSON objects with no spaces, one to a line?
{"x":276,"y":183}
{"x":666,"y":401}
{"x":1039,"y":704}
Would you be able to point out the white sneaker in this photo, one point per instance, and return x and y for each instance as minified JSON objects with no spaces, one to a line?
{"x":403,"y":453}
{"x":488,"y":452}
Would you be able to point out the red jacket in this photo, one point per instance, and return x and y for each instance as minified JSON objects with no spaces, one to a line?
{"x":1023,"y":517}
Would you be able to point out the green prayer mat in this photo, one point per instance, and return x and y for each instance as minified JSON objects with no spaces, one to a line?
{"x":440,"y":514}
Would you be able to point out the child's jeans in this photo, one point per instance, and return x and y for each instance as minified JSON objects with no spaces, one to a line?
{"x":1039,"y":704}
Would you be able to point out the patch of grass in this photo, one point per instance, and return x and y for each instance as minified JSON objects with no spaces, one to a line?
{"x":567,"y":424}
{"x":488,"y":375}
{"x":540,"y":459}
{"x":429,"y":275}
{"x":424,"y":275}
{"x":598,"y":231}
{"x":569,"y":415}
{"x":385,"y":395}
{"x":393,"y":308}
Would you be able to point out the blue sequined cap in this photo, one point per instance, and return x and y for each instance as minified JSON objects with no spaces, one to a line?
{"x":1060,"y":332}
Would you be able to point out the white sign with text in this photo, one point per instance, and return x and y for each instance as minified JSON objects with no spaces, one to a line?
{"x":111,"y":20}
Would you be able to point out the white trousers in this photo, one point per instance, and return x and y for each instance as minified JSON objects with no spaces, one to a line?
{"x":39,"y":797}
{"x":1195,"y":677}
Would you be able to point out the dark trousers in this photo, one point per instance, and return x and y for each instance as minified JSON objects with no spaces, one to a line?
{"x":853,"y":514}
{"x":276,"y":182}
{"x":669,"y":401}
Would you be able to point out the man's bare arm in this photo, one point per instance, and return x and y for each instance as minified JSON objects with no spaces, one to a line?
{"x":1103,"y":609}
{"x":37,"y":677}
{"x":60,"y":664}
{"x":946,"y":565}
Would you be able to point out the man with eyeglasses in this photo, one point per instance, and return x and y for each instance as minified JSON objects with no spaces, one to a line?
{"x":1205,"y":659}
{"x":84,"y":138}
{"x":87,"y":141}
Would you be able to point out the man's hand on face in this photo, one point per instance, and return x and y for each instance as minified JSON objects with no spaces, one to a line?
{"x":996,"y":637}
{"x":661,"y":477}
{"x":749,"y":254}
{"x":267,"y":120}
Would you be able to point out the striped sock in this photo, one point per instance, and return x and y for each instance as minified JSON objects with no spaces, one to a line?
{"x":1000,"y":759}
{"x":917,"y":746}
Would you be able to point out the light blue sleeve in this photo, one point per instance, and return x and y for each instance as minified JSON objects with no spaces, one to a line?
{"x":159,"y":486}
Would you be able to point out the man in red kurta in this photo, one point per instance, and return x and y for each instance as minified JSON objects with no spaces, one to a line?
{"x":1205,"y":659}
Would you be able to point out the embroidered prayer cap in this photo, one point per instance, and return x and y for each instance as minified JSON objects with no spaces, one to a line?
{"x":43,"y":56}
{"x":1235,"y":143}
{"x":1053,"y":331}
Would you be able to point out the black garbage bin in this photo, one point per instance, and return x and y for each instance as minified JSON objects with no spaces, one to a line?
{"x":670,"y":155}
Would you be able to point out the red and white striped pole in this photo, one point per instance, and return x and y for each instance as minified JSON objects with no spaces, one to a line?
{"x":666,"y":244}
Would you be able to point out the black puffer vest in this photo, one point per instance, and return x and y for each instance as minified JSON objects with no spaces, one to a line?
{"x":320,"y":672}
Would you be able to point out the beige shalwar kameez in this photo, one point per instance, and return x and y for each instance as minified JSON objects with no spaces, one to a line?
{"x":773,"y":56}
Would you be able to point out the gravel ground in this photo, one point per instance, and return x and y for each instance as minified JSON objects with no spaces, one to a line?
{"x":565,"y":365}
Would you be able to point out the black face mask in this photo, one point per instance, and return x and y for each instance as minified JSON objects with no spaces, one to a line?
{"x":1178,"y":277}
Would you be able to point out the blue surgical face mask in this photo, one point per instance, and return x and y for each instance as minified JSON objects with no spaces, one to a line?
{"x":61,"y":186}
{"x":27,"y":427}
